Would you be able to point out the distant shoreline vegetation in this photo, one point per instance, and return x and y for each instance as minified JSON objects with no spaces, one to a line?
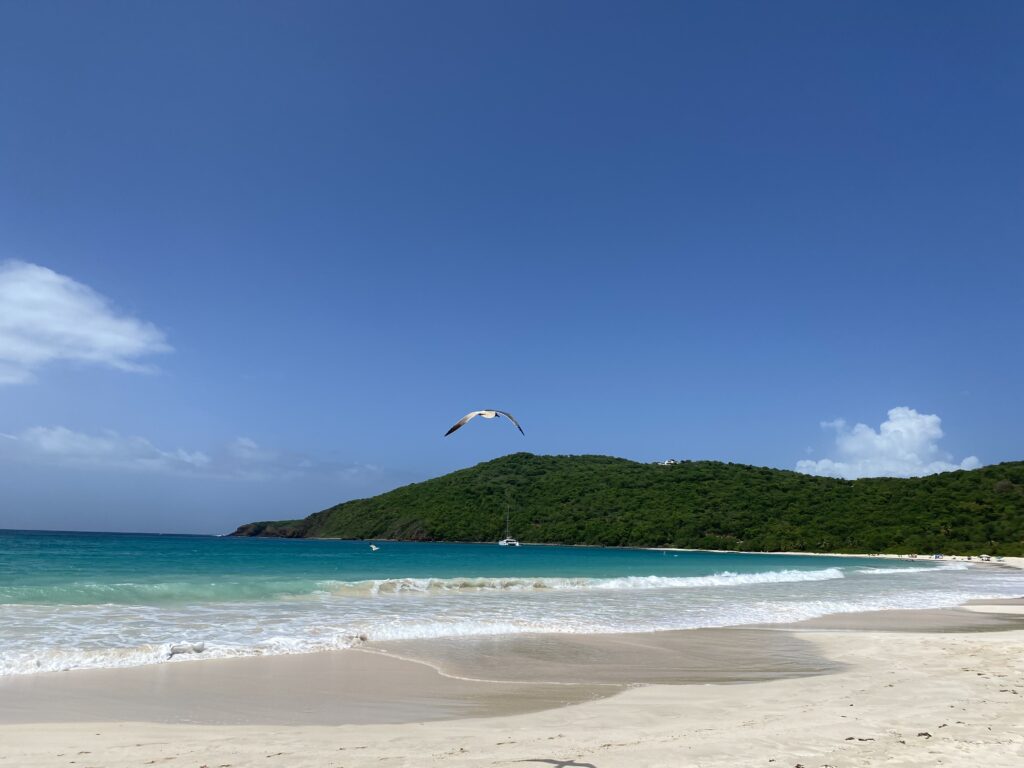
{"x":606,"y":501}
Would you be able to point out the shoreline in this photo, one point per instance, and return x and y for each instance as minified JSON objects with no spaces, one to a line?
{"x":1009,"y":561}
{"x":443,"y":679}
{"x":1012,"y":561}
{"x":838,"y":618}
{"x":917,"y":697}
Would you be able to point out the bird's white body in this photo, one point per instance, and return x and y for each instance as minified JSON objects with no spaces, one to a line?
{"x":374,"y":547}
{"x":489,"y":413}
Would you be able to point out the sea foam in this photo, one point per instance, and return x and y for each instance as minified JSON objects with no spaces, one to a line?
{"x":912,"y":569}
{"x":71,"y":601}
{"x":524,"y":584}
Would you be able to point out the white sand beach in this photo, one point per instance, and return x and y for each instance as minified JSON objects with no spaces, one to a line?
{"x":1009,"y":561}
{"x":879,"y":697}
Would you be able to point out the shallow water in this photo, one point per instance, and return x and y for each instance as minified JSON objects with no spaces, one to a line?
{"x":79,"y":600}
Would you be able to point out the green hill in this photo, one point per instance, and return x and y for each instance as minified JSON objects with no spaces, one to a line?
{"x":700,"y":504}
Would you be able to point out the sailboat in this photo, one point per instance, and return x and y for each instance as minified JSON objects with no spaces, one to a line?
{"x":508,"y":541}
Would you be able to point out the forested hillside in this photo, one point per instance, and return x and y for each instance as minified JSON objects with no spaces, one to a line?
{"x":699,"y":504}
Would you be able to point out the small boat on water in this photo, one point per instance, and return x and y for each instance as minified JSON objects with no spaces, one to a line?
{"x":508,"y":541}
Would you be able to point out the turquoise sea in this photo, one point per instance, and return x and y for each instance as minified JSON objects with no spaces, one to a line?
{"x":78,"y":600}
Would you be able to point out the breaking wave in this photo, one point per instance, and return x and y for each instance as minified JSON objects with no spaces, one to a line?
{"x":878,"y":571}
{"x":525,"y":584}
{"x":320,"y":615}
{"x":233,"y":591}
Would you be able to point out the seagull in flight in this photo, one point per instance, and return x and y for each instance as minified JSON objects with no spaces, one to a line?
{"x":492,"y":414}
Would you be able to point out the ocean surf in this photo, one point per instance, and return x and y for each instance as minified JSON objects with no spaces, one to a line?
{"x":74,"y":601}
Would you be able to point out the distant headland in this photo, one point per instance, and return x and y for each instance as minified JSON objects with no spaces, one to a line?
{"x":607,"y":501}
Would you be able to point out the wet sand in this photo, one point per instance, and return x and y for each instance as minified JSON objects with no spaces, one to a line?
{"x":452,"y":678}
{"x":330,"y":688}
{"x":976,"y":616}
{"x":404,"y":682}
{"x":907,"y":698}
{"x":697,"y":656}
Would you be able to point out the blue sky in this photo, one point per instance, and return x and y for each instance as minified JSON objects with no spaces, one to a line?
{"x":257,"y":258}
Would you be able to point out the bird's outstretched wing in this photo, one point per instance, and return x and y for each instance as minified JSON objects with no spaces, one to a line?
{"x":462,"y":421}
{"x":513,"y":420}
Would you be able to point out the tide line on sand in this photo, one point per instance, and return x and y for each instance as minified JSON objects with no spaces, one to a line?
{"x":921,"y":698}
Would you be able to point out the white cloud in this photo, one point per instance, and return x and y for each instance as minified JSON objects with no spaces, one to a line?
{"x":248,"y":450}
{"x":241,"y":459}
{"x":46,"y":316}
{"x":60,"y":445}
{"x":905,"y":445}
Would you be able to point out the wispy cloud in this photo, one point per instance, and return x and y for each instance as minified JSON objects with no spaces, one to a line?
{"x":241,"y":459}
{"x":905,"y":445}
{"x":62,"y":446}
{"x":46,"y":316}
